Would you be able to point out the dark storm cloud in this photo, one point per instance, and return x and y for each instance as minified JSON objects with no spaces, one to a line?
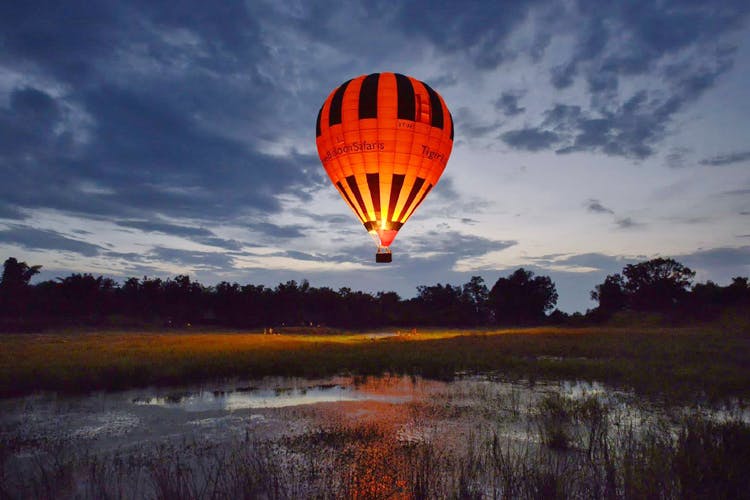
{"x":595,"y":206}
{"x":43,"y":239}
{"x":507,"y":103}
{"x":146,"y":110}
{"x":727,"y":159}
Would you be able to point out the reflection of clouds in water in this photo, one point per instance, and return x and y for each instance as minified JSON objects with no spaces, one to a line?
{"x":410,"y":409}
{"x":272,"y":398}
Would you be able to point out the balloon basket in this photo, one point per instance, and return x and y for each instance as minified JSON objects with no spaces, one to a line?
{"x":384,"y":255}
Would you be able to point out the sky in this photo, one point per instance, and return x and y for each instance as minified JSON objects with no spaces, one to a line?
{"x":154,"y":138}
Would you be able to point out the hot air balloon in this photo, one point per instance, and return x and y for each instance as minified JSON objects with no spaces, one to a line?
{"x":384,"y":140}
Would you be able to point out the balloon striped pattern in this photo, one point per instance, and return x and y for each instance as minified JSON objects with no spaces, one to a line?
{"x":384,"y":140}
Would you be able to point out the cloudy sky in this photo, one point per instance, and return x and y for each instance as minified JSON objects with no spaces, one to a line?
{"x":160,"y":138}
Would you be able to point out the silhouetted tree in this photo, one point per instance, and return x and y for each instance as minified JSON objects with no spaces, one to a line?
{"x":389,"y":304}
{"x":611,"y":295}
{"x":476,"y":294}
{"x":14,"y":286}
{"x":183,"y":300}
{"x":657,"y":284}
{"x":85,"y":296}
{"x":522,"y":298}
{"x":738,"y":290}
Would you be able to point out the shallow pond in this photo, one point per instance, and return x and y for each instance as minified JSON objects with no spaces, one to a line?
{"x":303,"y":429}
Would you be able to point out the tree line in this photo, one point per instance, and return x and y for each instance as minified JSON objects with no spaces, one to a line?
{"x":521,"y":298}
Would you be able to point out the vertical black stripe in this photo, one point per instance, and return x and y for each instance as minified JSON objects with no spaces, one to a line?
{"x":317,"y":123}
{"x":414,"y":190}
{"x":334,"y":114}
{"x":373,"y":182}
{"x":368,"y":97}
{"x":450,"y":117}
{"x":396,"y":185}
{"x":346,"y":195}
{"x":436,"y":108}
{"x":352,"y":181}
{"x":419,"y":202}
{"x":406,"y":106}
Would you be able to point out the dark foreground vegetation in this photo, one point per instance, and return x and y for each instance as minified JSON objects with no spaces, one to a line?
{"x":659,"y":289}
{"x":552,"y":447}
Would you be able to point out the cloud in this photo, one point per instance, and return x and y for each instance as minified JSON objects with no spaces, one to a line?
{"x":631,"y":129}
{"x":595,"y":260}
{"x":455,"y":244}
{"x":276,"y":231}
{"x":737,"y":192}
{"x":44,"y":239}
{"x":165,"y":228}
{"x":10,"y":212}
{"x":193,"y":259}
{"x":591,"y":262}
{"x":507,"y":103}
{"x":626,"y":39}
{"x":727,"y":159}
{"x":197,"y":234}
{"x":728,"y":259}
{"x":627,"y":223}
{"x":676,"y":158}
{"x":595,"y":206}
{"x":530,"y":139}
{"x":472,"y":126}
{"x":478,"y":30}
{"x":642,"y":64}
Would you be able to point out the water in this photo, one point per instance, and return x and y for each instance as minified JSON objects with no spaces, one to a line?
{"x":310,"y":424}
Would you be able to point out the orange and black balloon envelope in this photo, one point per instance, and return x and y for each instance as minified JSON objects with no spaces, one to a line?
{"x":384,"y":140}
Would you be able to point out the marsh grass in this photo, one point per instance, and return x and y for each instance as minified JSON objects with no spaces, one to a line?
{"x":607,"y":454}
{"x":677,"y":363}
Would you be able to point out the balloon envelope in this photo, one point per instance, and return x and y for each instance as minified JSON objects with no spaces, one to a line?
{"x":384,"y":139}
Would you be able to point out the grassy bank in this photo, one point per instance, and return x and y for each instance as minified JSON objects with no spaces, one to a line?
{"x":671,"y":362}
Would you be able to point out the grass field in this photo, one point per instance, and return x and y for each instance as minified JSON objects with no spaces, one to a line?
{"x":675,"y":363}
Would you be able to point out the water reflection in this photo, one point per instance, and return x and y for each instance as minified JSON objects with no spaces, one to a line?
{"x":348,"y":437}
{"x":249,"y":398}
